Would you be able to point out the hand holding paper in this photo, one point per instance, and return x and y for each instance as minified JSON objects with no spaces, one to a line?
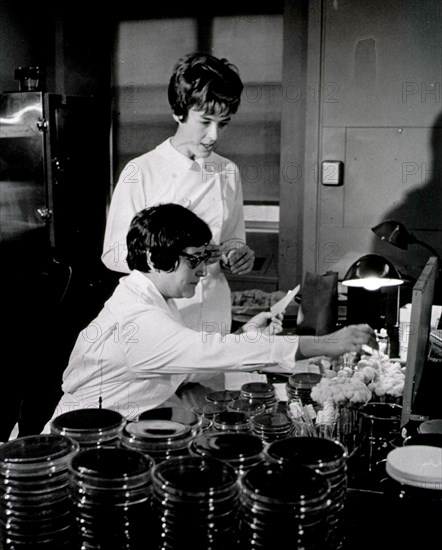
{"x":280,"y":306}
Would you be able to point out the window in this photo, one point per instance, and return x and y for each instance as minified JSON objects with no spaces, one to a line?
{"x":144,"y":56}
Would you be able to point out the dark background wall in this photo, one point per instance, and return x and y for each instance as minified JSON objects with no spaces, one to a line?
{"x":377,"y":67}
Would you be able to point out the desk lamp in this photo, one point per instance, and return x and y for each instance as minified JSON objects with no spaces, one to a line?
{"x":397,"y":234}
{"x":367,"y":299}
{"x":372,"y":272}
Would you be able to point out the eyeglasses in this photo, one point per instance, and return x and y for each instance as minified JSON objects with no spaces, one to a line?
{"x":193,"y":260}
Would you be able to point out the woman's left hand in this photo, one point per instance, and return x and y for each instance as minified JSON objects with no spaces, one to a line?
{"x":264,"y":322}
{"x":240,"y":260}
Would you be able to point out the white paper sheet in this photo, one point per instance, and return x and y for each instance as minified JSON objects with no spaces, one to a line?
{"x":280,"y":306}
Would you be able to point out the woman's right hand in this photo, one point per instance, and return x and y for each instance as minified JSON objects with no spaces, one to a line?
{"x":351,"y":338}
{"x":344,"y":340}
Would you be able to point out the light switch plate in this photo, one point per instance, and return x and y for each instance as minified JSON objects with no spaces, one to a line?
{"x":332,"y":172}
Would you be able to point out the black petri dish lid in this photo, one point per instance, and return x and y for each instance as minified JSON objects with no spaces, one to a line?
{"x":225,"y":446}
{"x":306,"y":450}
{"x":271,"y":420}
{"x":155,"y":430}
{"x":222,"y":396}
{"x":175,"y":414}
{"x":36,"y":449}
{"x":194,"y":476}
{"x":246,"y":405}
{"x":304,"y":380}
{"x":210,"y":409}
{"x":231,"y":418}
{"x":88,"y":420}
{"x":110,"y":463}
{"x":258,"y":389}
{"x":287,"y":484}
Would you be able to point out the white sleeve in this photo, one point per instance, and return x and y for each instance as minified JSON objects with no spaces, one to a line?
{"x":128,"y":198}
{"x":168,"y":347}
{"x":234,"y":228}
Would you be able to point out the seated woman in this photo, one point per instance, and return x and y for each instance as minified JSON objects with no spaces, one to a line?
{"x":137,"y":351}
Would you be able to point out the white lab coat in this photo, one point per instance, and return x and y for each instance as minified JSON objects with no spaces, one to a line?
{"x":210,"y":188}
{"x":137,"y":352}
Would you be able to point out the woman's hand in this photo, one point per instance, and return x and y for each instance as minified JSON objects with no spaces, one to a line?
{"x":264,"y":322}
{"x":345,"y":340}
{"x":352,"y":338}
{"x":239,"y":260}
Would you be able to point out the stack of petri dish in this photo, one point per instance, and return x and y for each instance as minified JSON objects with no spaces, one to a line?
{"x":231,"y":421}
{"x":222,"y":396}
{"x":195,"y":501}
{"x":175,"y":414}
{"x":158,"y":439}
{"x":90,"y":427}
{"x":240,"y":450}
{"x":112,"y":493}
{"x":247,"y":406}
{"x":35,"y":503}
{"x":261,"y":392}
{"x":325,"y":457}
{"x":283,"y":506}
{"x":299,"y":387}
{"x":208,"y":410}
{"x":270,"y":426}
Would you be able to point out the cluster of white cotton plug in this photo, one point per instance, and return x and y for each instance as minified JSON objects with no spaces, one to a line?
{"x":372,"y":374}
{"x":382,"y":376}
{"x":341,"y":390}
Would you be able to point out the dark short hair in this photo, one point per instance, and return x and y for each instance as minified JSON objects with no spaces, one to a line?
{"x":206,"y":83}
{"x":164,"y":230}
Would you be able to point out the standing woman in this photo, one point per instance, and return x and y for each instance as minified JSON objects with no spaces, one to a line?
{"x":204,"y":93}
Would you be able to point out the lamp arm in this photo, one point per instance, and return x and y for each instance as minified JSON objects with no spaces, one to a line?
{"x":427,"y":246}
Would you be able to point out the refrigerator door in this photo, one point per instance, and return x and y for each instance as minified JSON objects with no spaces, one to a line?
{"x":78,"y":179}
{"x":24,"y":215}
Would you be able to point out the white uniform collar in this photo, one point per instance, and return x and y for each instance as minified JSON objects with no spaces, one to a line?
{"x":167,"y":150}
{"x":146,"y":285}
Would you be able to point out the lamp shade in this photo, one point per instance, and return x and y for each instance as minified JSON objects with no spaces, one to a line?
{"x":394,"y":233}
{"x":372,"y":272}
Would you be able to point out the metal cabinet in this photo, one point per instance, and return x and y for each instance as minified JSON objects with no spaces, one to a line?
{"x":54,"y":177}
